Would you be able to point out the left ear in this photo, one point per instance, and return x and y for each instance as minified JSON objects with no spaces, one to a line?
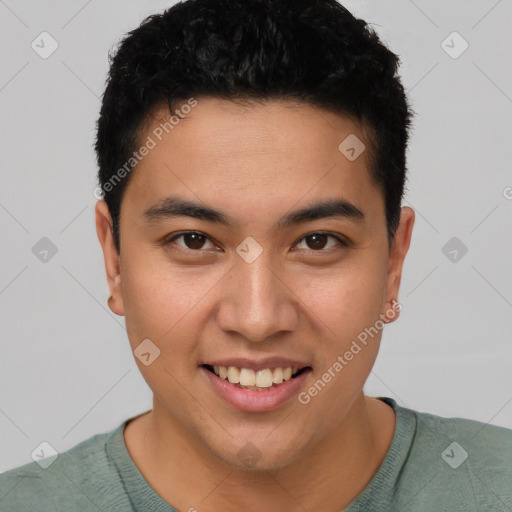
{"x":398,"y":251}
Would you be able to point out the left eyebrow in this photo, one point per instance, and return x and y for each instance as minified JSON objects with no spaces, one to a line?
{"x":321,"y":210}
{"x":172,"y":207}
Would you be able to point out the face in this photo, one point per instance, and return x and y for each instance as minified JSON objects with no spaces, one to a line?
{"x":248,"y":279}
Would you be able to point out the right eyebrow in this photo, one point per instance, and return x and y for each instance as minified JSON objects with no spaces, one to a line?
{"x":172,"y":207}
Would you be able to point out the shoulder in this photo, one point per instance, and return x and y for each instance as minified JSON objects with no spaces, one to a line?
{"x":458,"y":464}
{"x":481,"y":444}
{"x":82,"y":478}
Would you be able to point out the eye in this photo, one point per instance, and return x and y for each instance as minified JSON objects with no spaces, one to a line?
{"x":318,"y":241}
{"x":193,"y":240}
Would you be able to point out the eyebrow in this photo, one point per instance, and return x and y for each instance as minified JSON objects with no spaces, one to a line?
{"x":172,"y":207}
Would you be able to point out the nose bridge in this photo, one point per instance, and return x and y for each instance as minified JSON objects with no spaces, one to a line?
{"x":258,"y":304}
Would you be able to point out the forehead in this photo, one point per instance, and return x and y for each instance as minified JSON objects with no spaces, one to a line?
{"x":252,"y":157}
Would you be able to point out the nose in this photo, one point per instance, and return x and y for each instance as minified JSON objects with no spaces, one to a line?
{"x":258,"y":303}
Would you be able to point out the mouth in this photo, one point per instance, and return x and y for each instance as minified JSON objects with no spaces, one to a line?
{"x":261,"y":380}
{"x":256,"y":387}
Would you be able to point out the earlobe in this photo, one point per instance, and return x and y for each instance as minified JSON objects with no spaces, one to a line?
{"x":392,"y":312}
{"x":110,"y":256}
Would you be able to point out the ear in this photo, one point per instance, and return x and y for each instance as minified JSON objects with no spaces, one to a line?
{"x":111,"y":257}
{"x":397,"y":253}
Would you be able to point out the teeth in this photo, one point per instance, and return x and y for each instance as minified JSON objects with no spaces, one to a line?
{"x":233,"y":375}
{"x":249,"y":378}
{"x":264,"y":378}
{"x":278,"y":375}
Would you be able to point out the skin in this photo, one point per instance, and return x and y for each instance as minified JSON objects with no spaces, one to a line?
{"x":297,"y":300}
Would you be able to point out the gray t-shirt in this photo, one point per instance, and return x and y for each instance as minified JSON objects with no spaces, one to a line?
{"x":434,"y":464}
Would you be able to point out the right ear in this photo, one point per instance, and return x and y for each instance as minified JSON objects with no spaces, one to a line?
{"x":111,"y":257}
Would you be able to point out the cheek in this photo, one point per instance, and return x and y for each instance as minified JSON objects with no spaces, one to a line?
{"x":162,"y":301}
{"x":162,"y":305}
{"x":345,"y":310}
{"x":345,"y":300}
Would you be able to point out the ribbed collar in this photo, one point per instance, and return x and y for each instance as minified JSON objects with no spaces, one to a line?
{"x":142,"y":496}
{"x":379,"y":493}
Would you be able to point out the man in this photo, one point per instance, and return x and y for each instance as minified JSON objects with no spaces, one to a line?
{"x":252,"y":160}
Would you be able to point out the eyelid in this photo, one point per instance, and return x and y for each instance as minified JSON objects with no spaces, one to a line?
{"x":343,"y":241}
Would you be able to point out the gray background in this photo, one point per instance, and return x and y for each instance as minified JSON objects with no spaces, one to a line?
{"x":67,"y":372}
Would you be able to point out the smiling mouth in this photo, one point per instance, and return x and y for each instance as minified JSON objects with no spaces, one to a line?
{"x":261,"y":380}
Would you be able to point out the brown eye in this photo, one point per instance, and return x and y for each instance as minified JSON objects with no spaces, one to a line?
{"x":318,"y":241}
{"x":192,"y":240}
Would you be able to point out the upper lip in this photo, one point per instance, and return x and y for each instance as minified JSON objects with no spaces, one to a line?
{"x":261,"y":364}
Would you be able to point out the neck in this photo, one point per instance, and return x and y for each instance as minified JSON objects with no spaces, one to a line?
{"x":328,"y":476}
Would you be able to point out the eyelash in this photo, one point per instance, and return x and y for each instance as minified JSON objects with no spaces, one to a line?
{"x":340,"y":240}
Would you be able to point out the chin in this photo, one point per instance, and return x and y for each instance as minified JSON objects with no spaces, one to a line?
{"x":255,"y":453}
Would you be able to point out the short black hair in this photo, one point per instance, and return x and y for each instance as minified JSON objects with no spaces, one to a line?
{"x":313,"y":51}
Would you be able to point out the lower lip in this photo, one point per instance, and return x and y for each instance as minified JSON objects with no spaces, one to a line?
{"x":256,"y":401}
